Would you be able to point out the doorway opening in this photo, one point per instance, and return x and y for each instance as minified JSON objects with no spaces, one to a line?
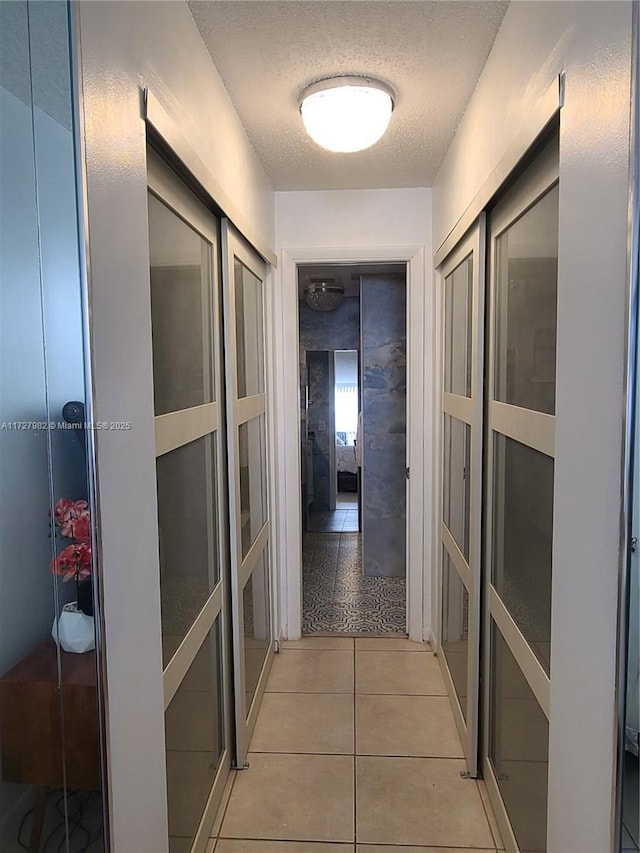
{"x":333,"y":407}
{"x":353,"y":405}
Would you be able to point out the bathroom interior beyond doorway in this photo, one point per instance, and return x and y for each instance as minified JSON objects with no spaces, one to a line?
{"x":353,"y":372}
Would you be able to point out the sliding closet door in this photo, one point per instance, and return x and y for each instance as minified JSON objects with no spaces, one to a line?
{"x":191,"y":490}
{"x":519,"y":507}
{"x":244,"y":276}
{"x":463,"y":297}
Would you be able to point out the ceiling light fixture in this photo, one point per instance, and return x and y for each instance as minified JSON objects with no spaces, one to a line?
{"x":346,"y":114}
{"x":323,"y":294}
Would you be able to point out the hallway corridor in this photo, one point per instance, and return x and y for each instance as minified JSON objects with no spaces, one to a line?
{"x":354,"y":751}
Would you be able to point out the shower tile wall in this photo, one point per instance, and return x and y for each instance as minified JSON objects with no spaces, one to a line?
{"x":384,"y":365}
{"x":330,"y":330}
{"x":319,"y":420}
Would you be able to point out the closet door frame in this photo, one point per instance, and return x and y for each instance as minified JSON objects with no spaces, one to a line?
{"x":241,"y":410}
{"x":468,"y":410}
{"x":177,"y":429}
{"x":531,"y":428}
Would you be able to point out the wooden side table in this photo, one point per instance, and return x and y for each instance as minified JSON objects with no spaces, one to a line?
{"x":43,"y":725}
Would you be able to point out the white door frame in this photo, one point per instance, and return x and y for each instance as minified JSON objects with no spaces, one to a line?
{"x":286,"y":434}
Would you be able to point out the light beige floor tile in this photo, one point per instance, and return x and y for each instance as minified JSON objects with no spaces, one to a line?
{"x":305,"y":722}
{"x":292,"y":797}
{"x":311,"y":671}
{"x":385,"y":848}
{"x":390,"y":644}
{"x":403,"y":673}
{"x":493,"y":823}
{"x":226,"y":845}
{"x":419,"y":801}
{"x":335,"y":643}
{"x":406,"y":725}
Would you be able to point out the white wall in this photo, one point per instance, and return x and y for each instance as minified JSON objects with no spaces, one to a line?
{"x":350,"y":225}
{"x":353,"y":218}
{"x":126,"y":46}
{"x":590,"y":41}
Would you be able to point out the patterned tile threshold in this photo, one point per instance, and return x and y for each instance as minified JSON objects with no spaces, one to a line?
{"x":338,"y":599}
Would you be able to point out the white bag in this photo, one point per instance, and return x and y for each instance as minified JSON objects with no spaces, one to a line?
{"x":74,"y":630}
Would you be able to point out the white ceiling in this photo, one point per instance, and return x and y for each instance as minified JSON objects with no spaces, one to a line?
{"x":431,"y":53}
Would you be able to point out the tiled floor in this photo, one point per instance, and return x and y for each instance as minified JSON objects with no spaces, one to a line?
{"x":355,"y":751}
{"x":344,"y":519}
{"x":337,"y":597}
{"x":338,"y":521}
{"x":347,"y":500}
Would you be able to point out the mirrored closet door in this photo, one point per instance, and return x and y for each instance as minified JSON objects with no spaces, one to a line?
{"x":191,"y":493}
{"x":463,"y":296}
{"x":244,"y":274}
{"x":520,"y":449}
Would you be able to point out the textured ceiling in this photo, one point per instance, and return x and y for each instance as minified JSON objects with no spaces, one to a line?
{"x":431,"y":53}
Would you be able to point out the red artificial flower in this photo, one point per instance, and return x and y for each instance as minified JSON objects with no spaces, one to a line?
{"x":73,"y":562}
{"x":81,"y":529}
{"x":66,"y":512}
{"x":62,"y":508}
{"x":72,"y":519}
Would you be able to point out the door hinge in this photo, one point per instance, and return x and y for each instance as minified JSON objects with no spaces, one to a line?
{"x":406,"y":472}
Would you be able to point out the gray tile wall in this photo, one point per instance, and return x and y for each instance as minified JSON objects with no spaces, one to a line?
{"x":384,"y":367}
{"x":330,"y":330}
{"x":320,"y":391}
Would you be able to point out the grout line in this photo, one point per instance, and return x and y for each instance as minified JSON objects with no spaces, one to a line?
{"x":394,"y":651}
{"x":284,"y":649}
{"x":361,"y":693}
{"x":427,"y":847}
{"x":459,"y":759}
{"x":288,"y":840}
{"x":311,"y":692}
{"x":353,"y":754}
{"x":350,"y":844}
{"x":302,"y":752}
{"x":407,"y":695}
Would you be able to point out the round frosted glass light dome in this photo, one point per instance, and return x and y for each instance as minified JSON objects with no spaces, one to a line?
{"x":346,"y":114}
